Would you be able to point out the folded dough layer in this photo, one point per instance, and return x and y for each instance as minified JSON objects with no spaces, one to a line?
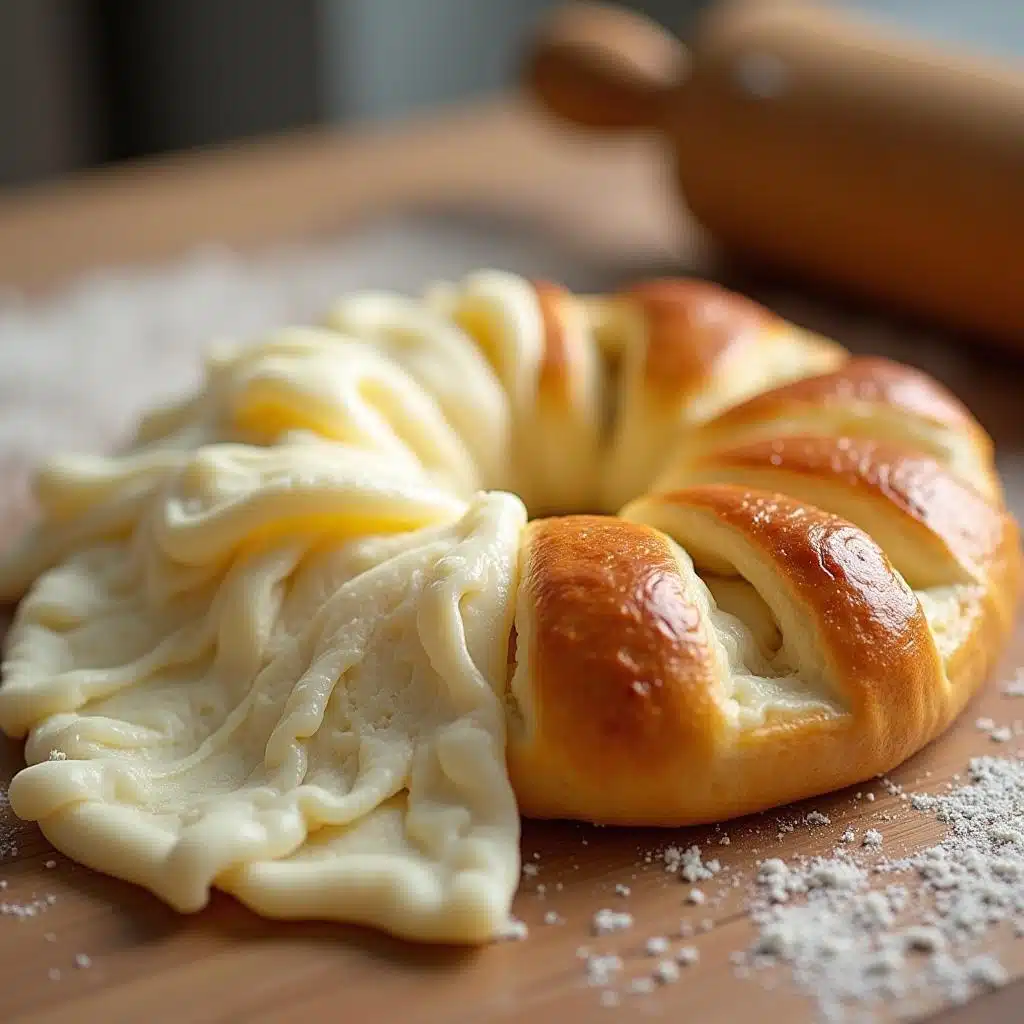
{"x":264,"y":651}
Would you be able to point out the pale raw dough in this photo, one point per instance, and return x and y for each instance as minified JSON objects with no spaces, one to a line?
{"x":502,"y":314}
{"x":264,"y":651}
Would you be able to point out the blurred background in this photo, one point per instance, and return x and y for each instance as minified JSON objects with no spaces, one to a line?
{"x":88,"y":82}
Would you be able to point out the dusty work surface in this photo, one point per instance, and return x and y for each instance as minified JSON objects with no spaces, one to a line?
{"x":75,"y":369}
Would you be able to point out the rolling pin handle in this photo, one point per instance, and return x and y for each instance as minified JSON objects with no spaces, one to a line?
{"x":603,"y":67}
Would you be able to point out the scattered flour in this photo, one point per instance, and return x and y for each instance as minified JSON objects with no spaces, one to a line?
{"x":514,"y":931}
{"x":666,"y":972}
{"x":606,"y":921}
{"x":688,"y":956}
{"x":601,"y":968}
{"x":1015,"y":687}
{"x":843,"y":940}
{"x":996,"y":733}
{"x":27,"y":908}
{"x":689,"y":865}
{"x":860,"y":929}
{"x":923,"y":939}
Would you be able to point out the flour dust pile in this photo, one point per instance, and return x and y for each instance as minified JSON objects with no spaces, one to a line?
{"x":858,"y":928}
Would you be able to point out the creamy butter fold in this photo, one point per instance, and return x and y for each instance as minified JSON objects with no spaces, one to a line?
{"x":263,"y":650}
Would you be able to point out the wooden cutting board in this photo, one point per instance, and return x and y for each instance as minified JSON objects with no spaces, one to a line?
{"x":139,"y":961}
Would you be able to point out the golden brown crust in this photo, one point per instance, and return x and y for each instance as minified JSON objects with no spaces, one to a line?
{"x":617,"y":641}
{"x":691,"y":325}
{"x":619,"y":669}
{"x":689,"y":349}
{"x":948,"y":525}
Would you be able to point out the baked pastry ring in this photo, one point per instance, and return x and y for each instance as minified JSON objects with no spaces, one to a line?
{"x":299,"y":640}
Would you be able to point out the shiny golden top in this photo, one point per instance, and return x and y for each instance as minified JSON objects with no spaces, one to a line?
{"x":620,"y":665}
{"x":691,"y":325}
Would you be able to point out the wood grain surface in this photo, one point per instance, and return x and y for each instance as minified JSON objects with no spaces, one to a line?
{"x":148,"y":964}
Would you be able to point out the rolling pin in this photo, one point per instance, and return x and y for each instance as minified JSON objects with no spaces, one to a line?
{"x":820,"y":145}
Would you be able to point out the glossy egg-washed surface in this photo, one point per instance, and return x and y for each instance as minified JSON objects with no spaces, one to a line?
{"x":300,"y":641}
{"x":714,"y":321}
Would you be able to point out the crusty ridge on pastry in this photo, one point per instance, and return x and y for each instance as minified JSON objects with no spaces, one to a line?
{"x":690,"y":349}
{"x":806,"y":572}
